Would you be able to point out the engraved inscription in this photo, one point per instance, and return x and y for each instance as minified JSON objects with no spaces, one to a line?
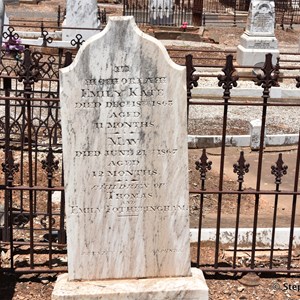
{"x":121,"y":98}
{"x":125,"y":125}
{"x":114,"y":251}
{"x":127,"y":185}
{"x":263,"y":22}
{"x":126,"y":173}
{"x":124,"y":210}
{"x":121,"y":69}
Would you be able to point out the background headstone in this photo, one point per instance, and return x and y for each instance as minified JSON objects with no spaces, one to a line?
{"x":80,"y":14}
{"x":2,"y":19}
{"x":259,"y":38}
{"x":123,"y":105}
{"x":6,"y":22}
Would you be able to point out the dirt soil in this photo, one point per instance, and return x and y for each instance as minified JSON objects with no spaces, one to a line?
{"x":221,"y":287}
{"x":37,"y":287}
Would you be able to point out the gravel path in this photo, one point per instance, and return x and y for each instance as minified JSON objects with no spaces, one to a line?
{"x":207,"y":120}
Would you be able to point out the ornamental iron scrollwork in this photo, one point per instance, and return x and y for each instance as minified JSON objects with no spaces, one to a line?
{"x":203,"y":165}
{"x":230,"y":77}
{"x":45,"y":221}
{"x":10,"y":167}
{"x":77,"y":41}
{"x":191,"y":78}
{"x":10,"y":34}
{"x":279,"y":170}
{"x":45,"y":36}
{"x":277,"y":70}
{"x":241,"y":167}
{"x":31,"y":70}
{"x":20,"y":220}
{"x":50,"y":165}
{"x":53,"y":71}
{"x":270,"y":76}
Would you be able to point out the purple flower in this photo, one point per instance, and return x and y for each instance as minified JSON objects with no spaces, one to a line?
{"x":13,"y":47}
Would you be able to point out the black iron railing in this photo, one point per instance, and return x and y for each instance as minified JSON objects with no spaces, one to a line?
{"x":31,"y":184}
{"x":242,"y":194}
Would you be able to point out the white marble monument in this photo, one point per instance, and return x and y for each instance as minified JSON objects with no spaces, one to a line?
{"x":259,"y":38}
{"x":123,"y":105}
{"x":80,"y":14}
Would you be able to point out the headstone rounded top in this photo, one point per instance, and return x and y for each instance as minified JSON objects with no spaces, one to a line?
{"x":121,"y":31}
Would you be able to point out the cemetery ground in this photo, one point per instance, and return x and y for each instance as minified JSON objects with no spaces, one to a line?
{"x":36,"y":287}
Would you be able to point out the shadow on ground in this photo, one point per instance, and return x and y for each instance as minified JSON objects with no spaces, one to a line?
{"x":7,"y":286}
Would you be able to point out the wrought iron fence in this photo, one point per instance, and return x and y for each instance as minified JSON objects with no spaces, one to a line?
{"x":218,"y":6}
{"x":53,"y":20}
{"x":287,"y":12}
{"x":223,"y":194}
{"x":164,"y":14}
{"x":31,"y":190}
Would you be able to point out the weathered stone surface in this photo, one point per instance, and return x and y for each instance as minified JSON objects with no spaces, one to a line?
{"x":2,"y":14}
{"x":259,"y":38}
{"x":255,"y":132}
{"x":123,"y":105}
{"x":261,"y":18}
{"x":192,"y":288}
{"x":80,"y":14}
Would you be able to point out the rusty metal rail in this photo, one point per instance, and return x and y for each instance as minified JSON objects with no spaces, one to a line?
{"x":228,"y":81}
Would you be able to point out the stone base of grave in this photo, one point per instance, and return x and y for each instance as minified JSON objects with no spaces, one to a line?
{"x":192,"y":288}
{"x":253,"y":49}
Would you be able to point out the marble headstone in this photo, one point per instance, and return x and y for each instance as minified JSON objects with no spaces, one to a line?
{"x":259,"y":38}
{"x":80,"y":14}
{"x":124,"y":135}
{"x":123,"y":104}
